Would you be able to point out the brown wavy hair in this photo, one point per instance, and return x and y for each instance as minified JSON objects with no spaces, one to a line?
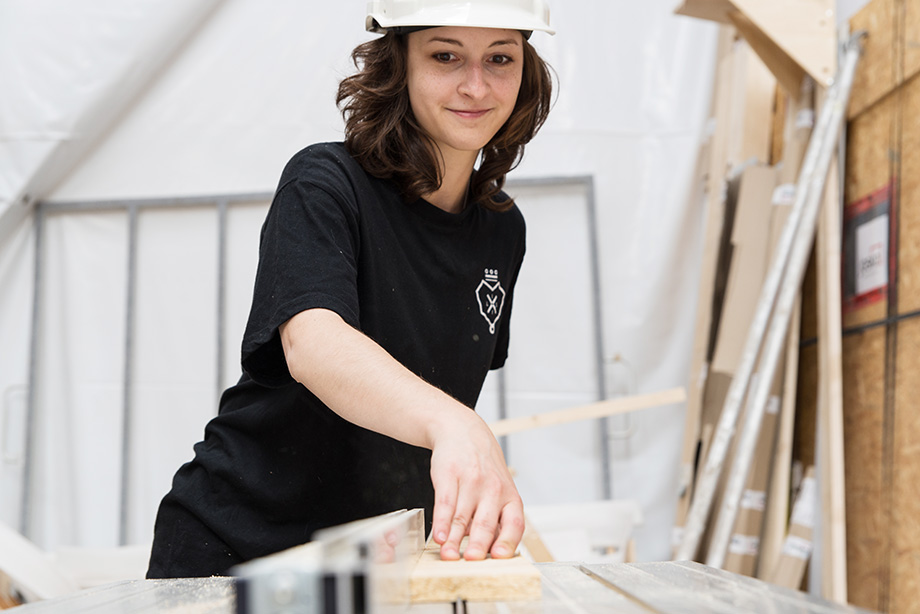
{"x":382,"y":134}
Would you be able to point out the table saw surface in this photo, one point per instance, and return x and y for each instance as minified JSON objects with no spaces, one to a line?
{"x":567,"y":588}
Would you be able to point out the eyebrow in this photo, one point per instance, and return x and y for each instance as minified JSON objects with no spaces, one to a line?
{"x":453,"y":41}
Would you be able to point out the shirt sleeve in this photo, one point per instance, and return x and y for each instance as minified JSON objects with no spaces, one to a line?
{"x":307,"y":260}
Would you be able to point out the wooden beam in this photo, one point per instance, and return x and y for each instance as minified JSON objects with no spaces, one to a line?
{"x":434,"y":580}
{"x":585,"y":412}
{"x":830,"y":404}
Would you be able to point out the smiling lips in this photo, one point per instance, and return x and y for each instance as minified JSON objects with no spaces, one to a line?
{"x":475,"y":114}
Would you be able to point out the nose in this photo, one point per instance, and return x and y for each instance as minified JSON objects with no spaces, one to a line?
{"x":474,"y":83}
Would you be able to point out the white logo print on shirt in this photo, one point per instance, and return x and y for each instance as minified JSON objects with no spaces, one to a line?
{"x":491,"y":298}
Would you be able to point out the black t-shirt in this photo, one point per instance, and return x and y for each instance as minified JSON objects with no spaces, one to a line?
{"x":432,"y":288}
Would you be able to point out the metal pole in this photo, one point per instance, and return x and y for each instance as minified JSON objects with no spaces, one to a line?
{"x":28,"y":469}
{"x":127,"y":392}
{"x":834,"y":111}
{"x":222,"y":210}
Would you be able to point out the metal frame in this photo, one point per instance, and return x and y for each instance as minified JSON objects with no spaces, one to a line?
{"x":222,"y":204}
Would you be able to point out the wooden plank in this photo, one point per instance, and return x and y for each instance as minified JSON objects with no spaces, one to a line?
{"x":433,"y":580}
{"x":749,"y":264}
{"x":585,"y":412}
{"x":830,"y":404}
{"x":8,"y":597}
{"x":532,"y":541}
{"x":789,"y":570}
{"x":778,"y":495}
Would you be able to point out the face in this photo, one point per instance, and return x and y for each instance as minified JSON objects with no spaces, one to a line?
{"x":463,"y":83}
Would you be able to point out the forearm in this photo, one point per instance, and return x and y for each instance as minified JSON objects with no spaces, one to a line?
{"x":361,"y":382}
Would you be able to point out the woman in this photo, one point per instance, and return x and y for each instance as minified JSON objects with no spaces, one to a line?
{"x":382,"y":298}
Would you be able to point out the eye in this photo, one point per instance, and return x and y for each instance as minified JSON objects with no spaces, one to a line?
{"x":502,"y":59}
{"x":443,"y":56}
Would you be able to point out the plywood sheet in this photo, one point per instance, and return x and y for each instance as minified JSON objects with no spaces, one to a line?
{"x":434,"y":580}
{"x":911,"y":39}
{"x":909,"y":179}
{"x":905,"y":512}
{"x":875,"y":75}
{"x":871,"y":147}
{"x":864,"y":399}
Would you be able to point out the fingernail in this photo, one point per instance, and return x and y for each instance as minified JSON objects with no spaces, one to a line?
{"x":441,"y":536}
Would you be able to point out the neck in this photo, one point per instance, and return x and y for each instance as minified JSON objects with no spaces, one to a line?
{"x":455,"y":180}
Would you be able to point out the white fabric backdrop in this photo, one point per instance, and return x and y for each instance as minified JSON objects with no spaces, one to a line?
{"x":175,"y":99}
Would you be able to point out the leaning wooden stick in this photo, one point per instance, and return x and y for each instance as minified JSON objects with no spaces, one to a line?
{"x":600,"y":409}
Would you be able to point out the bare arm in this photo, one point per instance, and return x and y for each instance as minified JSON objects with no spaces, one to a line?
{"x":361,"y":382}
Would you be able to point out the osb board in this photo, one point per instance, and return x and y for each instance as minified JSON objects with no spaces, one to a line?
{"x":909,"y":201}
{"x":434,"y":580}
{"x":911,"y":39}
{"x":871,"y":147}
{"x":864,"y":401}
{"x":876,"y":73}
{"x":905,"y":503}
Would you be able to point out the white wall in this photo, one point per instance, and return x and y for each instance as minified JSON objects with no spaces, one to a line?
{"x":255,"y":84}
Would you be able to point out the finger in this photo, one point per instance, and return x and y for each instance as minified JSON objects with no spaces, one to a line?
{"x":450,"y":549}
{"x":482,"y":531}
{"x":445,"y":502}
{"x":511,"y":532}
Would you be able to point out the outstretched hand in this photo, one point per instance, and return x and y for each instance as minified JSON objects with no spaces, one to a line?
{"x":474,"y":494}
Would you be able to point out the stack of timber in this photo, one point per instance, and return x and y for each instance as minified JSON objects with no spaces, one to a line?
{"x":760,"y":133}
{"x":881,"y":302}
{"x":797,"y":43}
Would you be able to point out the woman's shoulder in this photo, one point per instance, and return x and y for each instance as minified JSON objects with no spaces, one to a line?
{"x":321,"y":159}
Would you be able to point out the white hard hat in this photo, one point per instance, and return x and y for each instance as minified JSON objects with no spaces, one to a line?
{"x":406,"y":15}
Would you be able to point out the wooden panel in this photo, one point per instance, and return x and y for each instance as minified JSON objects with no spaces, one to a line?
{"x":432,"y":580}
{"x":864,"y":399}
{"x":909,"y":201}
{"x":870,"y":148}
{"x":905,"y":512}
{"x":875,"y":75}
{"x":911,"y":39}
